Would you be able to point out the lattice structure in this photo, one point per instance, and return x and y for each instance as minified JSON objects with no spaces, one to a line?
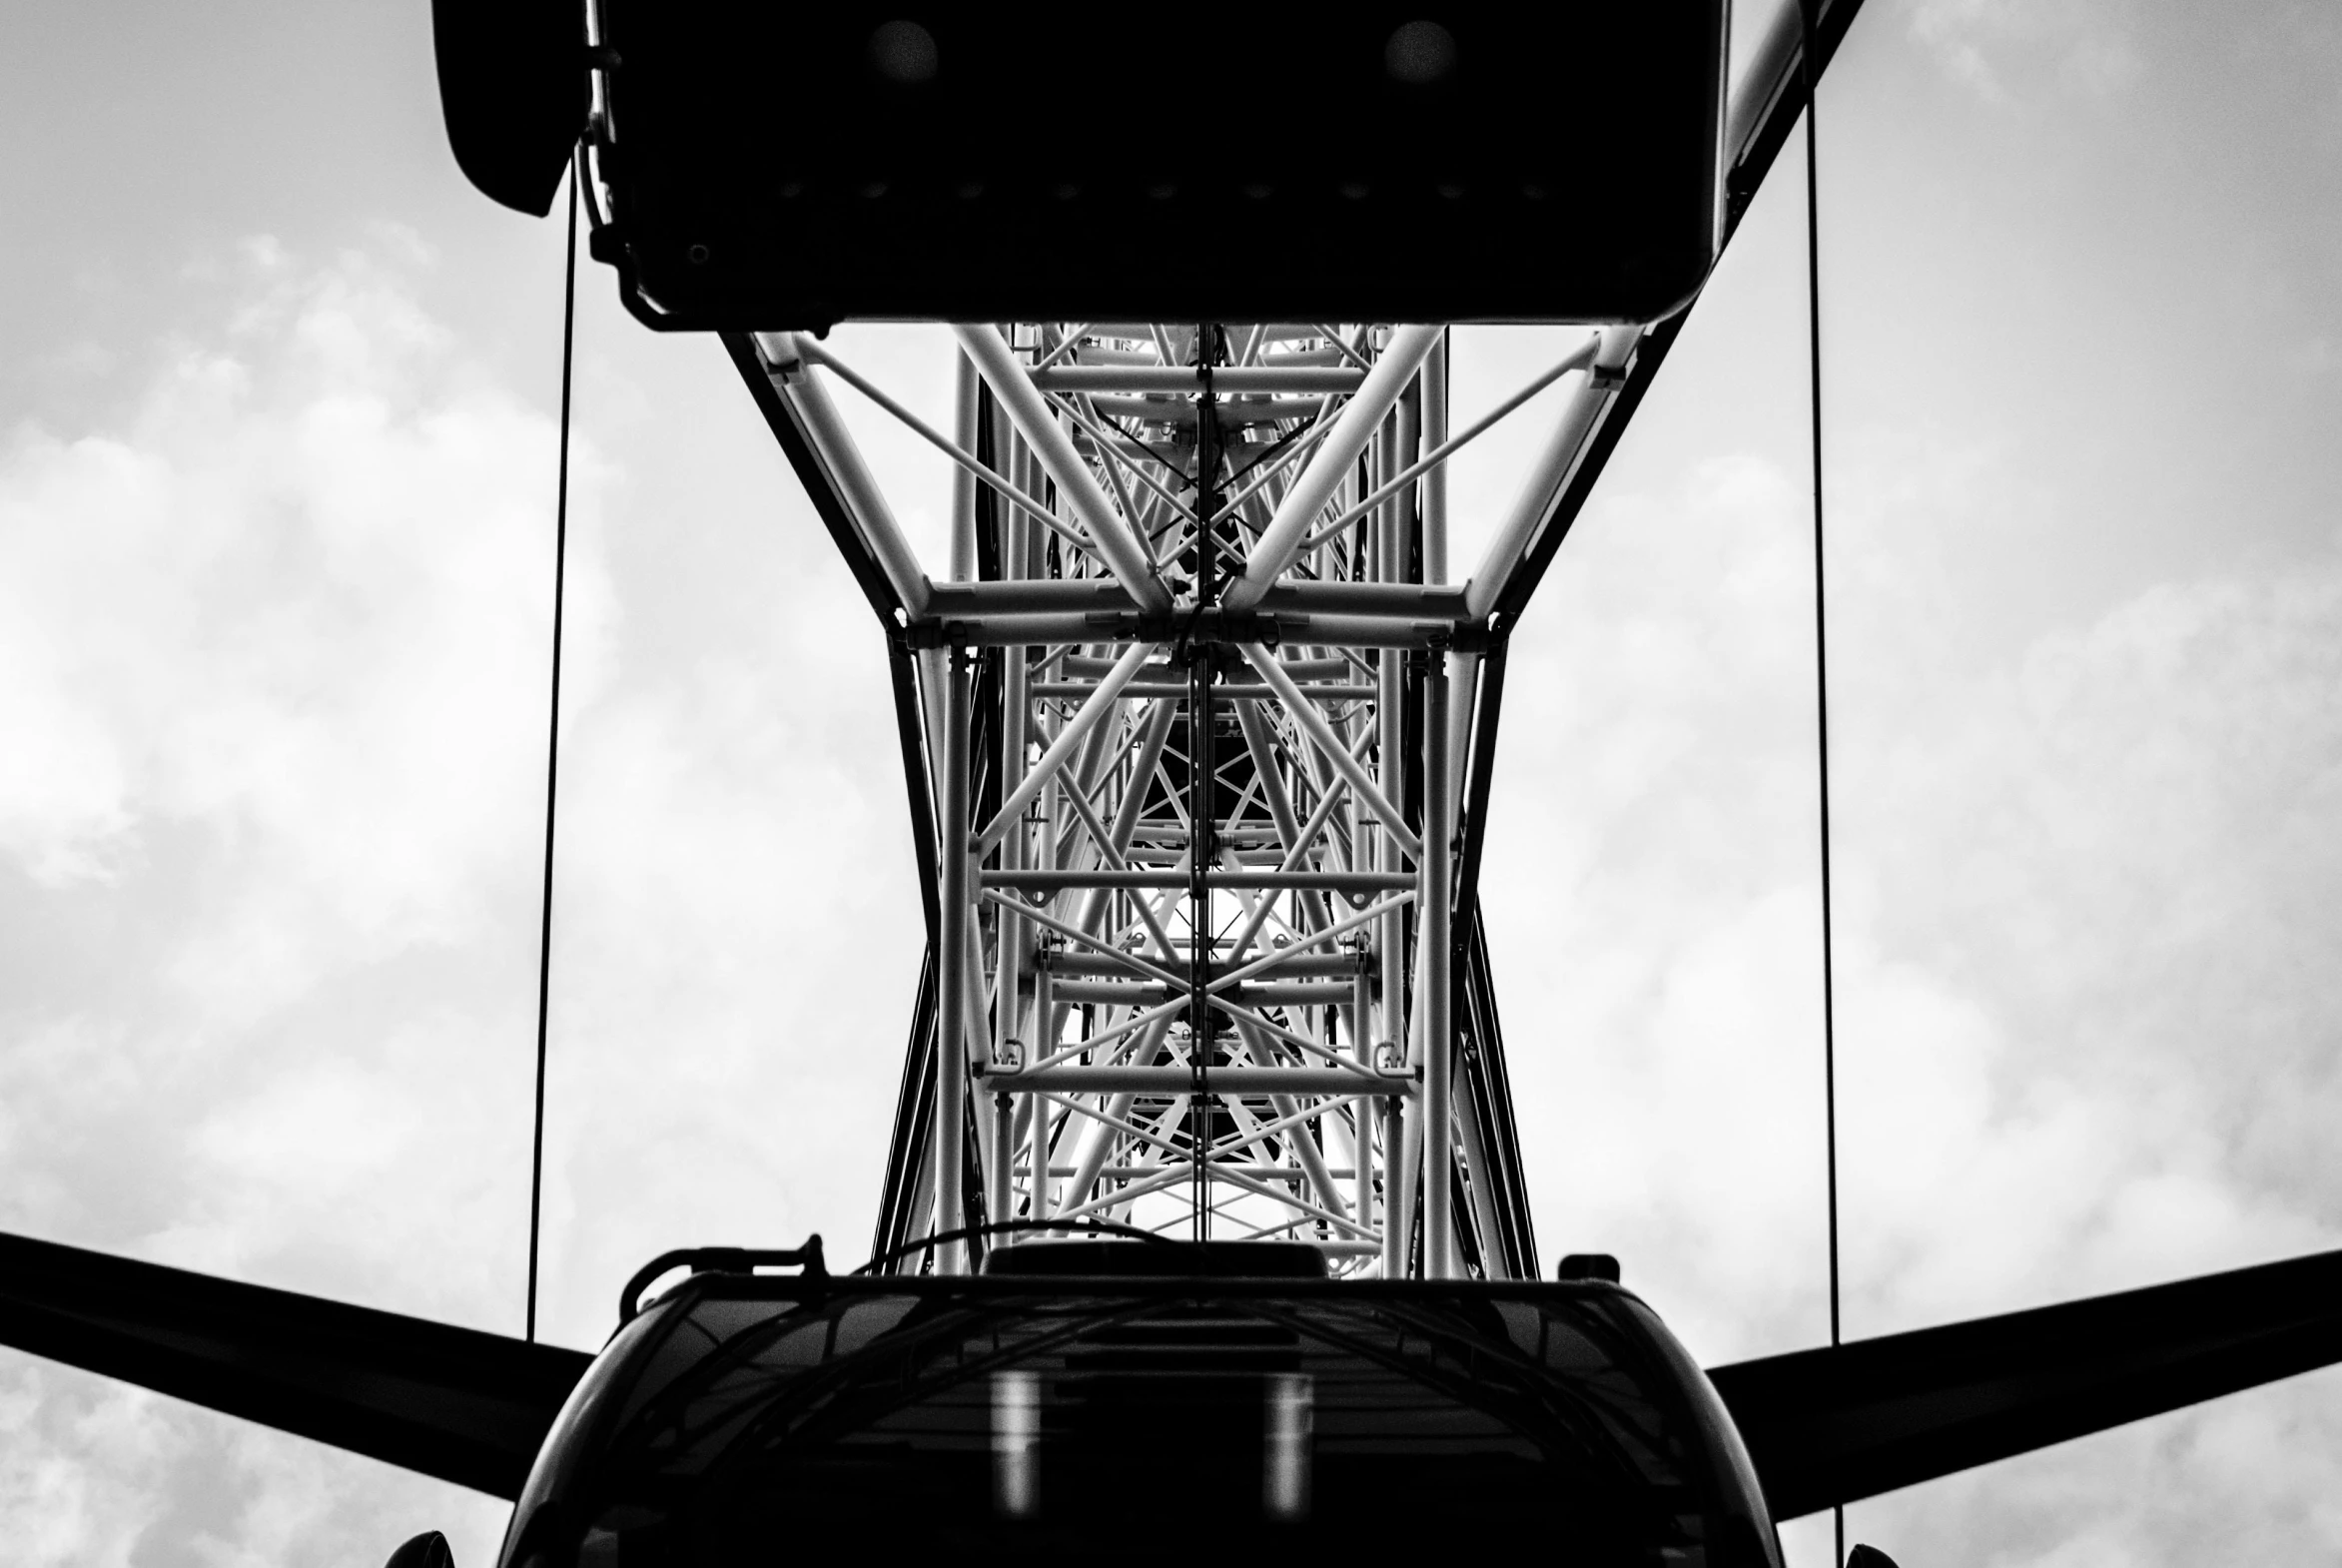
{"x":1193,"y":714}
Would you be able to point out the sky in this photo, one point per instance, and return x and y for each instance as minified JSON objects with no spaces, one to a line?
{"x":278,"y":396}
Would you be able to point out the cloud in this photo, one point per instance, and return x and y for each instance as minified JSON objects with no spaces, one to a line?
{"x":271,"y":824}
{"x":101,"y":1475}
{"x":314,"y":507}
{"x":1983,"y":44}
{"x":2085,"y":889}
{"x":265,"y":637}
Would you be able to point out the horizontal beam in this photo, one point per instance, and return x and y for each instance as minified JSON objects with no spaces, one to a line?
{"x":1275,"y":993}
{"x":1076,"y":665}
{"x":1229,"y":415}
{"x":1318,"y":1080}
{"x":1063,"y":962}
{"x":1028,"y":596}
{"x":1410,"y":599}
{"x":1380,"y":631}
{"x":1349,"y":883}
{"x":1142,"y":379}
{"x":1230,"y":692}
{"x":1039,"y":630}
{"x":1072,"y":629}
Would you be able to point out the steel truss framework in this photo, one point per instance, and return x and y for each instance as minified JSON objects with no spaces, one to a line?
{"x":1199,"y":722}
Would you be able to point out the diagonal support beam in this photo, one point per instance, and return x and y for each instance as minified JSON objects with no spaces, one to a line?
{"x":1445,"y":447}
{"x":997,"y":363}
{"x":858,"y":488}
{"x":1314,"y":486}
{"x":1060,"y":751}
{"x":1539,"y":491}
{"x":781,"y":349}
{"x":1312,"y":725}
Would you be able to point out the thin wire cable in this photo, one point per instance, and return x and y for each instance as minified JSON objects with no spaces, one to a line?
{"x":1806,"y":10}
{"x":544,"y":936}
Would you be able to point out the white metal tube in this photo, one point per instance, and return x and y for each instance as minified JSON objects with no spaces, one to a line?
{"x":1767,"y":75}
{"x":934,"y":670}
{"x":978,"y":602}
{"x":966,"y":406}
{"x":1248,"y":694}
{"x":1436,"y":475}
{"x":962,"y":456}
{"x":1312,"y":725}
{"x":1246,"y":1140}
{"x":1342,"y":967}
{"x":1292,"y":380}
{"x":1341,"y":345}
{"x":1394,"y":629}
{"x":1110,"y":447}
{"x":1431,"y":466}
{"x":1026,"y":408}
{"x":1361,"y":1114}
{"x":1000,"y":1159}
{"x":1099,"y":1140}
{"x":1312,"y":1158}
{"x":1270,"y":993}
{"x":1269,"y":467}
{"x":1405,"y":445}
{"x":1296,"y":841}
{"x":1152,"y":734}
{"x":1015,"y":715}
{"x":1069,"y":626}
{"x":1111,"y":858}
{"x":1036,"y":1204}
{"x":1037,"y":1163}
{"x":1389,"y":748}
{"x":1069,"y":741}
{"x":860,"y":491}
{"x":1398,"y":1143}
{"x":1315,"y":485}
{"x":1493,"y":1264}
{"x":1432,"y":952}
{"x":950,"y":1067}
{"x":977,"y":1041}
{"x":1071,"y":342}
{"x":1535,"y":501}
{"x":1178,"y":1080}
{"x":1463,"y":686}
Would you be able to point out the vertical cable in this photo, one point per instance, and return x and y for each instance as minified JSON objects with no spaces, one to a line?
{"x":544,"y":934}
{"x":1806,"y":9}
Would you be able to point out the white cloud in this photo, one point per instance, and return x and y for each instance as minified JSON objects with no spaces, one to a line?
{"x":270,"y":821}
{"x":2085,"y":889}
{"x":1983,"y":43}
{"x":267,"y":640}
{"x":298,"y":598}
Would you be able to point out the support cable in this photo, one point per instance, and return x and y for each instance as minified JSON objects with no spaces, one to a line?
{"x":544,"y":937}
{"x":1806,"y":10}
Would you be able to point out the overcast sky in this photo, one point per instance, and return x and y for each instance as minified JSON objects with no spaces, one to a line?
{"x":276,"y":398}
